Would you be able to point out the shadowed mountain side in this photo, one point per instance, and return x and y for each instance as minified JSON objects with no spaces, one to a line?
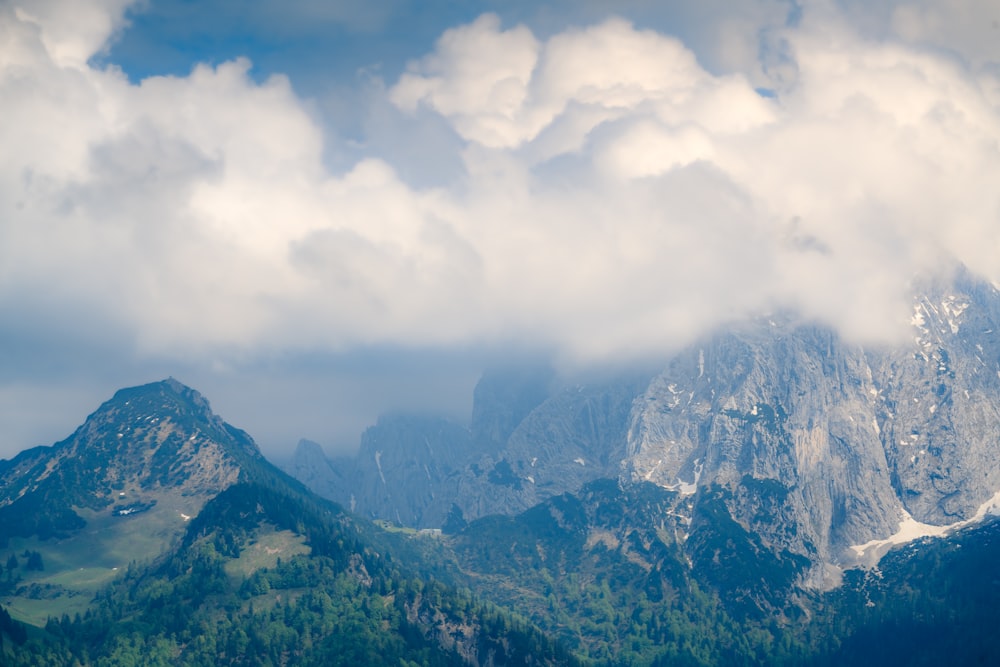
{"x":529,"y":440}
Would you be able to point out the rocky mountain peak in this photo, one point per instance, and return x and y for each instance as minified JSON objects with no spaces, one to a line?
{"x":156,"y":401}
{"x":819,"y":445}
{"x":162,"y":433}
{"x":310,"y":466}
{"x":145,"y":444}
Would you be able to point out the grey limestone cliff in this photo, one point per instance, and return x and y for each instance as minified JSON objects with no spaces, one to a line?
{"x":940,"y":404}
{"x":784,"y":417}
{"x":529,"y":439}
{"x":322,"y":475}
{"x":822,"y":445}
{"x":575,"y":436}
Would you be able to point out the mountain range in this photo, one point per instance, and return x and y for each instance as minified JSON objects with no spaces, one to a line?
{"x":772,"y":494}
{"x":163,"y":536}
{"x":825,"y":449}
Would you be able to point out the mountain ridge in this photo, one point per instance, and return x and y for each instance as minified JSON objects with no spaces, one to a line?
{"x":121,"y":489}
{"x":617,"y":571}
{"x":823,"y":445}
{"x":261,"y":572}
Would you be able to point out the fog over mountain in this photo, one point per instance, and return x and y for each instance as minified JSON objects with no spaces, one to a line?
{"x":309,"y":216}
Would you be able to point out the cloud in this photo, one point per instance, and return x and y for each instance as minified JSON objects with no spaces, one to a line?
{"x":876,"y":152}
{"x":69,"y":32}
{"x":966,"y":29}
{"x":608,"y":195}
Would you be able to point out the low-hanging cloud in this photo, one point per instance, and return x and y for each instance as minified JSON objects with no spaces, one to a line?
{"x":614,"y":198}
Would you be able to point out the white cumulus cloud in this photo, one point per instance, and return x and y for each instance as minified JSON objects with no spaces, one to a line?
{"x":615,"y":197}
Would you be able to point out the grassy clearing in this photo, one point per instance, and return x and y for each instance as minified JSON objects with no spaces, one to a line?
{"x":77,"y":567}
{"x":268,"y":601}
{"x":264,"y":551}
{"x":393,"y":528}
{"x":37,"y":612}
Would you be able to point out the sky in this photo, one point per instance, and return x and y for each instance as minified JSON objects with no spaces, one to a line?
{"x":315,"y":212}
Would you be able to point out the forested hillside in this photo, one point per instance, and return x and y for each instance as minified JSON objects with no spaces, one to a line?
{"x":260,"y":580}
{"x":219,"y":600}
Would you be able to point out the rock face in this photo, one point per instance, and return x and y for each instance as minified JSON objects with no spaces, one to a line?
{"x":404,"y":471}
{"x":406,"y":467}
{"x":576,"y":435}
{"x":822,"y":445}
{"x":310,"y":466}
{"x":782,"y":416}
{"x":940,"y":405}
{"x":529,"y":440}
{"x":502,"y":400}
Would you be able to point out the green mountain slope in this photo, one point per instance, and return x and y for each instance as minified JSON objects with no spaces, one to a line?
{"x":932,"y":602}
{"x":262,"y":573}
{"x":261,"y":578}
{"x":119,"y":490}
{"x":606,"y":572}
{"x":637,"y":575}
